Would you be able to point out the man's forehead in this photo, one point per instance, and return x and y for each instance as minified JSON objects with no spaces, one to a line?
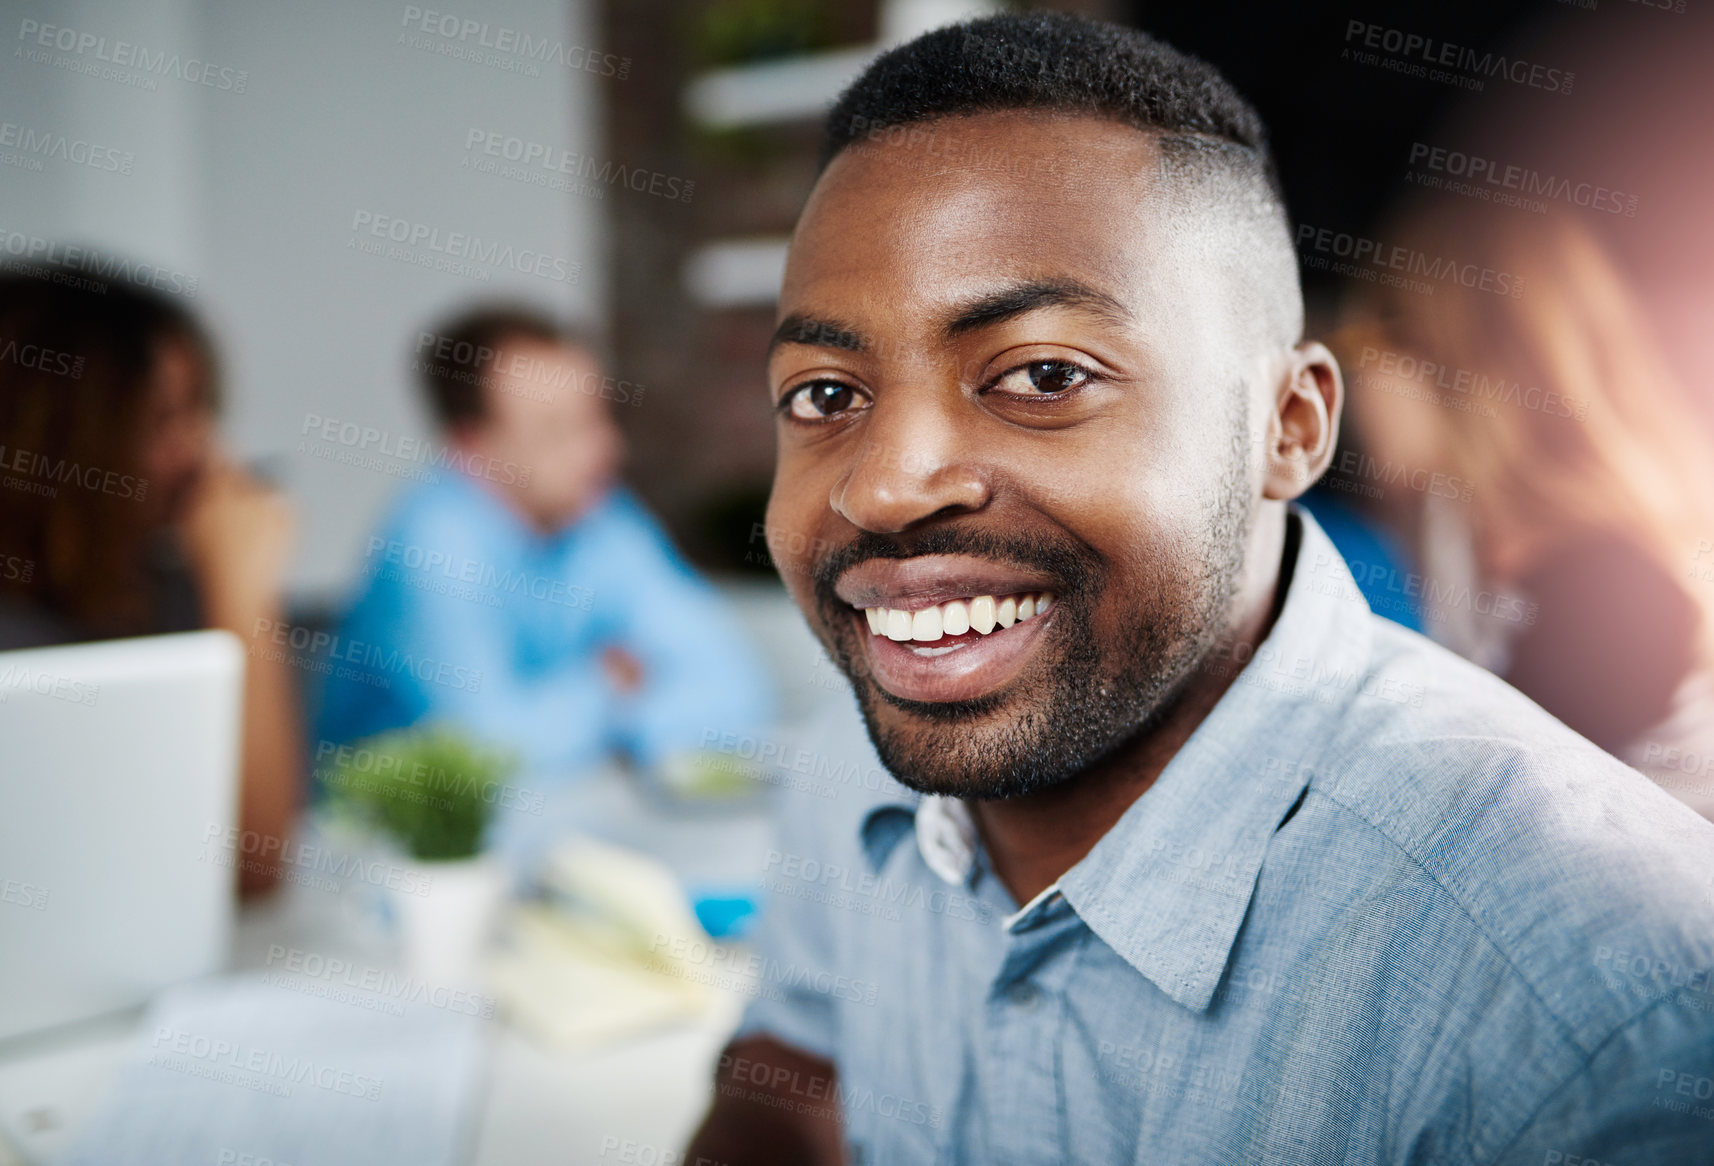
{"x":522,"y":346}
{"x":1001,"y":172}
{"x":929,"y":223}
{"x":973,"y":199}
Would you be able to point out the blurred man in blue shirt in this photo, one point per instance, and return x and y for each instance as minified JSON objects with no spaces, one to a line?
{"x":522,"y":594}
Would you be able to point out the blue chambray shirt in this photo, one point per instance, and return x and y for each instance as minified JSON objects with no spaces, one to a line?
{"x":1380,"y":908}
{"x":467,"y":615}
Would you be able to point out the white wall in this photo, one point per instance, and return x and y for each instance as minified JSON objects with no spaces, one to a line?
{"x":255,"y":194}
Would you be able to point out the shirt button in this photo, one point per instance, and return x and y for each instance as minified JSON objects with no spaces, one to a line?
{"x":1024,"y":994}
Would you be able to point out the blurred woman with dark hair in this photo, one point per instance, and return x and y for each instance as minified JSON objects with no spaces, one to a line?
{"x":131,"y":521}
{"x":1565,"y":560}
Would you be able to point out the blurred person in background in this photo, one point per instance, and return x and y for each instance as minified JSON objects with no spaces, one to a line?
{"x":541,"y":606}
{"x":1566,"y":562}
{"x":126,"y":516}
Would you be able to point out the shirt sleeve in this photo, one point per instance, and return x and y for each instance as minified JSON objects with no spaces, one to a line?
{"x":701,"y":677}
{"x":1645,"y":1097}
{"x":796,"y":939}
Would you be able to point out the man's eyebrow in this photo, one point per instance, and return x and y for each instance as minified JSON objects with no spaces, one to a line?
{"x":801,"y":329}
{"x":1031,"y":296}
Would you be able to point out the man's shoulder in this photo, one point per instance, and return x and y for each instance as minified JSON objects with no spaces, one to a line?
{"x":621,"y":523}
{"x":435,"y":512}
{"x":1593,"y":884}
{"x":437,"y":523}
{"x":1464,"y":736}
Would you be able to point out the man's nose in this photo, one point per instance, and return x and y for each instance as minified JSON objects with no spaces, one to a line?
{"x":915,"y":461}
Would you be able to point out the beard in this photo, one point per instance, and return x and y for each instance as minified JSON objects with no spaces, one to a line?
{"x":1087,"y":695}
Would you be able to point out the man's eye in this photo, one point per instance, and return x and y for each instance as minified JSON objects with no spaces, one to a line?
{"x":819,"y":400}
{"x":1041,"y":378}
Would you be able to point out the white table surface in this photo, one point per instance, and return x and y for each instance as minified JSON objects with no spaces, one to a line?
{"x":636,"y":1101}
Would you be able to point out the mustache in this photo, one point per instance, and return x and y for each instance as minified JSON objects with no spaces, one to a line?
{"x":1076,"y":566}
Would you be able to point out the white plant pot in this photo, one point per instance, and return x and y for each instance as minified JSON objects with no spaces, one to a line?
{"x":446,"y":917}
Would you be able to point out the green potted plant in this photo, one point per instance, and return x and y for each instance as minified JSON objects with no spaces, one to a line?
{"x":430,"y":790}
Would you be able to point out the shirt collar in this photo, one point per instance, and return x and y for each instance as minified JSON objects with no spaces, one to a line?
{"x":946,"y":837}
{"x":500,"y":516}
{"x":1168,"y":886}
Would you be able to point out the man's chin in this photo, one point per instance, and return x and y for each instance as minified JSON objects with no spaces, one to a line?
{"x":980,"y":749}
{"x":1038,"y":733}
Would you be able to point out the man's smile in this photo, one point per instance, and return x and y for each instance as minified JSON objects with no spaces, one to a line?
{"x":946,"y":627}
{"x":956,"y":617}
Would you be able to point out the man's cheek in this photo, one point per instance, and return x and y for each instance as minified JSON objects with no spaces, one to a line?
{"x":782,"y":541}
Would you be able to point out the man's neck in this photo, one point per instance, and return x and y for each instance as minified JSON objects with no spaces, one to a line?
{"x":469,"y":446}
{"x":1035,"y":839}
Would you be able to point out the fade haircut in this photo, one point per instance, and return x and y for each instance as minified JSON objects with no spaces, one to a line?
{"x":1053,"y":61}
{"x":1213,"y":145}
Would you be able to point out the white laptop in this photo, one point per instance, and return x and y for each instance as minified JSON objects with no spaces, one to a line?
{"x":118,"y":764}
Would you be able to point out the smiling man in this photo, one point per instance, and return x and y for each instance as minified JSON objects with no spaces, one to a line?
{"x":1189,"y":857}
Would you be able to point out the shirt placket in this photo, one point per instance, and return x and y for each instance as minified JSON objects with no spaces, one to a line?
{"x":1021,"y":1080}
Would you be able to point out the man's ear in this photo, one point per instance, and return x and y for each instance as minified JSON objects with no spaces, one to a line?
{"x":1304,"y":424}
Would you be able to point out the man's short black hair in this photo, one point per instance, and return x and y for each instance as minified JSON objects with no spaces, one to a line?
{"x":1053,"y":61}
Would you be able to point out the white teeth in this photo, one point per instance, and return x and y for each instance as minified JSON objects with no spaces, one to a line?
{"x":982,"y":613}
{"x":926,"y":625}
{"x":955,"y":618}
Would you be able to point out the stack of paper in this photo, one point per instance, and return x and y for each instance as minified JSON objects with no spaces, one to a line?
{"x":310,"y":1071}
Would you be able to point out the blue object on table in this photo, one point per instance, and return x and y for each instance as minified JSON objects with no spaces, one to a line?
{"x":725,"y":916}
